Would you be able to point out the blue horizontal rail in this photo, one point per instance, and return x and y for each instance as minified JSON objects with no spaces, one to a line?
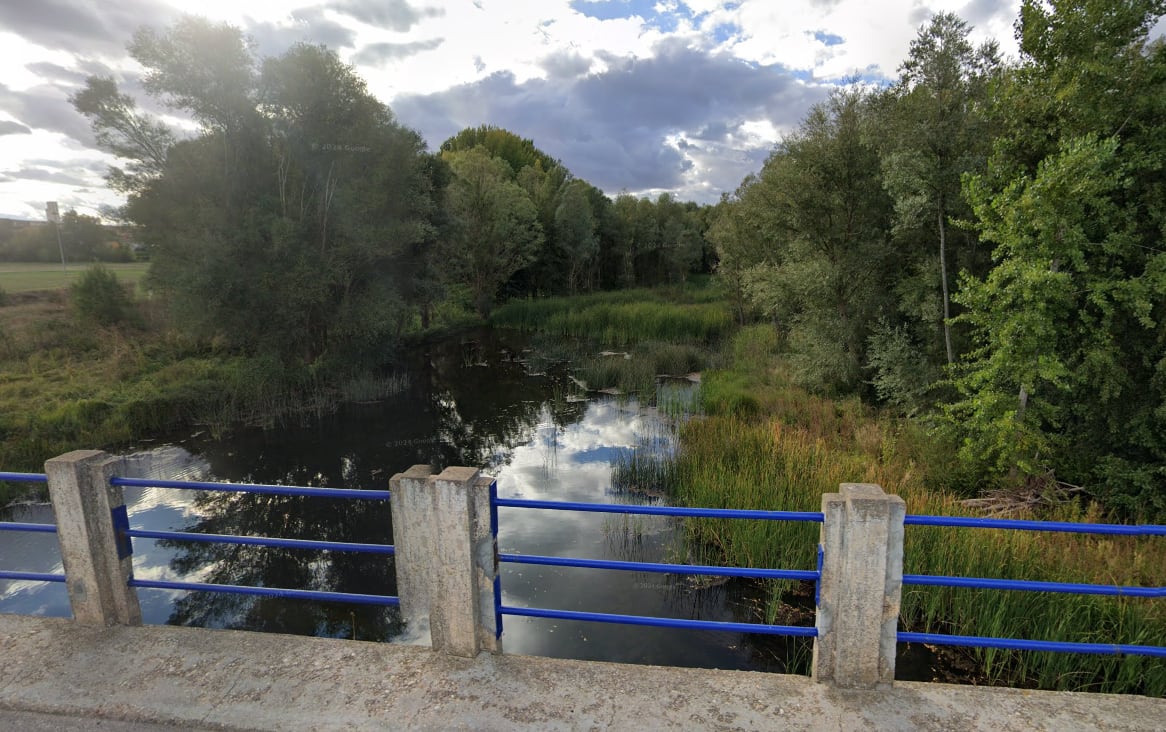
{"x":33,"y":576}
{"x":1071,"y":588}
{"x":726,"y":513}
{"x":537,"y":612}
{"x":338,"y":546}
{"x":276,"y":490}
{"x":694,"y":569}
{"x":1015,"y":644}
{"x":1025,"y":525}
{"x":24,"y":477}
{"x":23,"y":526}
{"x":319,"y":595}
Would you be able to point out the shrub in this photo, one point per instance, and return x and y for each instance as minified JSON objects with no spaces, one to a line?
{"x":98,"y":297}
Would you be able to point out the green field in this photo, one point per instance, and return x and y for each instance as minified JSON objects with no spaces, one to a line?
{"x":29,"y":276}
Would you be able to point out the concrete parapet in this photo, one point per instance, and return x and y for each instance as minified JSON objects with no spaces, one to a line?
{"x":446,"y":557}
{"x":860,"y":587}
{"x":87,"y":508}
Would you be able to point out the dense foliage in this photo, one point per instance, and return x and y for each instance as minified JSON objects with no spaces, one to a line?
{"x":302,"y":220}
{"x":981,"y":243}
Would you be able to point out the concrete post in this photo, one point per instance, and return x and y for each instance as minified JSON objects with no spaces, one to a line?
{"x":445,"y":556}
{"x":96,"y":571}
{"x":860,"y":587}
{"x":412,"y":518}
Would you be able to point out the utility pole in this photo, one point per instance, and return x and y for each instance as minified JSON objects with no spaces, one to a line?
{"x":53,"y":216}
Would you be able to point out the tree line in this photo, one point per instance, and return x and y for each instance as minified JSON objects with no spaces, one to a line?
{"x":296,"y":216}
{"x":79,"y":237}
{"x":980,"y":244}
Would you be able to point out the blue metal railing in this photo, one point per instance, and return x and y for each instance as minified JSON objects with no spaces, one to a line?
{"x":273,"y":490}
{"x":1024,"y":525}
{"x":724,"y":513}
{"x":28,"y":527}
{"x":127,"y":534}
{"x":653,"y":567}
{"x":1019,"y":644}
{"x":24,"y":477}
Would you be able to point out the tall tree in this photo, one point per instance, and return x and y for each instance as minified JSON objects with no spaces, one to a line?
{"x":495,"y":227}
{"x":936,"y":134}
{"x":281,"y":225}
{"x":814,"y":226}
{"x":1068,"y":373}
{"x":575,"y":229}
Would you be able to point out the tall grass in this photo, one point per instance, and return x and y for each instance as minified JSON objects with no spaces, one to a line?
{"x":617,"y":318}
{"x":659,"y":332}
{"x":637,"y":370}
{"x":789,"y":447}
{"x":64,"y":387}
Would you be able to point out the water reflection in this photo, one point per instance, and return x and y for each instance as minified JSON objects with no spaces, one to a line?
{"x":482,"y":401}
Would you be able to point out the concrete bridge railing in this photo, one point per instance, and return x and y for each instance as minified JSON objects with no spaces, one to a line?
{"x":447,"y":562}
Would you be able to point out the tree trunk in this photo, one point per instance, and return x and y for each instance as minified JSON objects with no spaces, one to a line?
{"x":943,"y":278}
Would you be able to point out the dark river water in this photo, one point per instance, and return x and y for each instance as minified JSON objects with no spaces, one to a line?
{"x":482,"y":400}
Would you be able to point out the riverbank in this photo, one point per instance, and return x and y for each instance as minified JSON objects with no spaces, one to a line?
{"x":764,"y":443}
{"x":66,"y":383}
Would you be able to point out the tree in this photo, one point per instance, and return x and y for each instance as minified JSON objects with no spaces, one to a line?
{"x":937,"y":134}
{"x":285,"y":224}
{"x":125,"y":132}
{"x":83,"y":238}
{"x":808,"y":238}
{"x":494,"y":223}
{"x":575,"y":229}
{"x":1068,"y":373}
{"x":518,"y":152}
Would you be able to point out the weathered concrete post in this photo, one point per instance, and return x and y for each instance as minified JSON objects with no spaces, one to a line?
{"x":445,"y":556}
{"x":96,"y":571}
{"x":860,"y":587}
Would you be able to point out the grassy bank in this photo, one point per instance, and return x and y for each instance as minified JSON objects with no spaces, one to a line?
{"x":764,"y":443}
{"x":769,"y":445}
{"x":66,"y":385}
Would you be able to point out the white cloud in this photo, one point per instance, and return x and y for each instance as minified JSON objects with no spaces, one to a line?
{"x":431,"y":48}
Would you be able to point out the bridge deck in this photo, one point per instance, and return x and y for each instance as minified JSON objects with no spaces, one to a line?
{"x":236,"y":680}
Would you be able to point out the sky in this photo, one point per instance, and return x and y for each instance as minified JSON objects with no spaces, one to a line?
{"x":643,"y":96}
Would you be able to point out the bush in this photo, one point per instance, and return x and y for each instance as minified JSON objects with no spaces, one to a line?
{"x":98,"y":297}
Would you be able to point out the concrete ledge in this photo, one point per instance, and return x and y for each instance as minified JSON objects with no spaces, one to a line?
{"x":237,"y":680}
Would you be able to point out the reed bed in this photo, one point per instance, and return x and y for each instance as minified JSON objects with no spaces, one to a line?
{"x":619,"y":318}
{"x":789,"y":447}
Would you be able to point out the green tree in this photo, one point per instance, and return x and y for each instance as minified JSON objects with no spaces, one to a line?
{"x":518,"y":152}
{"x":286,"y":223}
{"x":1068,"y":372}
{"x":934,"y":134}
{"x":808,"y":238}
{"x":495,"y":227}
{"x":575,"y":234}
{"x":132,"y":136}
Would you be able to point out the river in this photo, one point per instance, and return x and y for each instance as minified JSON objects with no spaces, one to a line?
{"x":484,"y":399}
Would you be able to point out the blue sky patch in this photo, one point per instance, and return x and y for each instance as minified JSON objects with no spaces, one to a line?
{"x":725,"y":31}
{"x":829,"y":39}
{"x":667,"y":22}
{"x":614,"y":9}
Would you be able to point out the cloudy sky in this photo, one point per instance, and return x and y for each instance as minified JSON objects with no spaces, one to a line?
{"x":642,"y":96}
